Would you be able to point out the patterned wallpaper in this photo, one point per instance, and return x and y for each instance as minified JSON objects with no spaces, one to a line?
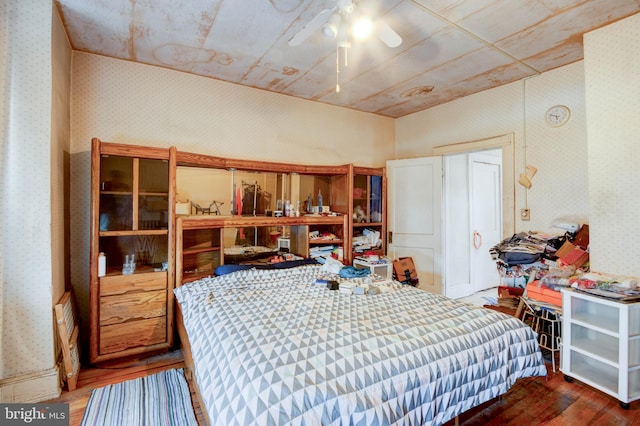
{"x":27,"y":260}
{"x":560,"y":187}
{"x":612,"y":61}
{"x":121,"y":101}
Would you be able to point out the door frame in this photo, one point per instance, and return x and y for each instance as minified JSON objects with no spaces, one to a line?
{"x":506,"y":144}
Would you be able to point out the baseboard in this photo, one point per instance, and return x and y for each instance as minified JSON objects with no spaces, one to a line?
{"x":32,"y":387}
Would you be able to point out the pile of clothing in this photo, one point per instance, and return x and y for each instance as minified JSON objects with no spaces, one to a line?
{"x":528,"y":256}
{"x":370,"y":239}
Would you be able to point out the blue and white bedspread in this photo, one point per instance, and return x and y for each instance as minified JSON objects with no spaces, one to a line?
{"x":269,"y":347}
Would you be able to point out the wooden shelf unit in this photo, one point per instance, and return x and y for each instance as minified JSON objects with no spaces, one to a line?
{"x":204,"y":235}
{"x":132,"y":194}
{"x":136,"y":216}
{"x":199,"y":244}
{"x":304,"y":181}
{"x":343,"y":183}
{"x":368,"y":205}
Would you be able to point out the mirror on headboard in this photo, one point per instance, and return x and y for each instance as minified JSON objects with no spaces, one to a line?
{"x":223,"y":186}
{"x":213,"y":191}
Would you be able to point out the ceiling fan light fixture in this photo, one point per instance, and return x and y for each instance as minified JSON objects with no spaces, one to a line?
{"x":362,"y":28}
{"x":330,"y":28}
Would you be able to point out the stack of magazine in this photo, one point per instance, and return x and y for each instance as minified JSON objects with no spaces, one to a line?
{"x":623,"y":289}
{"x":613,"y":291}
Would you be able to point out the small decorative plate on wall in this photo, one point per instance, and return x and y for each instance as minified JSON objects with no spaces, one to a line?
{"x":557,"y":115}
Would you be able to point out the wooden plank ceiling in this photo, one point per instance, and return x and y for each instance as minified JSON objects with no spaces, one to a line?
{"x":450,"y":48}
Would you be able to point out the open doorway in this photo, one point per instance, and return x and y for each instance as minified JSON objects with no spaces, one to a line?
{"x":478,"y":211}
{"x":472,"y":220}
{"x":422,"y":226}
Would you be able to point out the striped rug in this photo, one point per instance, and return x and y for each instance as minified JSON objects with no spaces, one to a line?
{"x":161,"y":399}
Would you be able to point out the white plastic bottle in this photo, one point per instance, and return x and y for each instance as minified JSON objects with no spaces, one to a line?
{"x":102,"y":264}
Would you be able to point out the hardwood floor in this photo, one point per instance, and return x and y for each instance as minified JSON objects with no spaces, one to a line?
{"x":532,"y":401}
{"x":553,"y":401}
{"x":93,"y":378}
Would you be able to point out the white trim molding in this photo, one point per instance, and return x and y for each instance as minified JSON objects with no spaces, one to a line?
{"x":506,"y":143}
{"x":32,"y":387}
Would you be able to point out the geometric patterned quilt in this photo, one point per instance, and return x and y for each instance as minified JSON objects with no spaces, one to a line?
{"x":271,"y":348}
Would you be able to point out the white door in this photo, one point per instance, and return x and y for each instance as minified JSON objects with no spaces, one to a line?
{"x":485,"y":183}
{"x":414,"y":216}
{"x":456,"y":226}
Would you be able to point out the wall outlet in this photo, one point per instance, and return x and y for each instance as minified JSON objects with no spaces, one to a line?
{"x":525,"y":214}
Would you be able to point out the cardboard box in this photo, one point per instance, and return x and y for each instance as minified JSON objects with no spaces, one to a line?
{"x":505,"y":291}
{"x":582,"y":237}
{"x":509,"y":297}
{"x":543,"y":293}
{"x":570,"y":254}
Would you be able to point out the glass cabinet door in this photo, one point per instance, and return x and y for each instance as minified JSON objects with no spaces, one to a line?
{"x":375,"y":199}
{"x":367,"y":199}
{"x":116,"y":193}
{"x":153,"y":194}
{"x":124,"y":178}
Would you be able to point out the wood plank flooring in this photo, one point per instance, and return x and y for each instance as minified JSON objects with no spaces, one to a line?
{"x":93,"y":378}
{"x":531,"y":401}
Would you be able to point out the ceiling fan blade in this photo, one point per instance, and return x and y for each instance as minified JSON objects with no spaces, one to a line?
{"x":311,"y":27}
{"x":387,"y":35}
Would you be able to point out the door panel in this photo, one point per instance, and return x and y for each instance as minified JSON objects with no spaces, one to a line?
{"x":414,"y":216}
{"x":486,"y":219}
{"x":456,"y":222}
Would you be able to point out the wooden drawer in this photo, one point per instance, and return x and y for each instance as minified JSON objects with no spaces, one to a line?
{"x":119,"y":337}
{"x":132,"y":306}
{"x":121,"y":284}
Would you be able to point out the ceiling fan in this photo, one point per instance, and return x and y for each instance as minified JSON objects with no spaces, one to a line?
{"x":336,"y":22}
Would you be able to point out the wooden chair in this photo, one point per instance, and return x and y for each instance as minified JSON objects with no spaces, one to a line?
{"x":68,"y":333}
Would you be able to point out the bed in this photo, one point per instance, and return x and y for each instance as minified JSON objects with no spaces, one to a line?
{"x":272,"y":347}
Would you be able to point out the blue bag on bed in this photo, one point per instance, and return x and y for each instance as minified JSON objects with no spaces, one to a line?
{"x":353,"y":272}
{"x":229,"y":268}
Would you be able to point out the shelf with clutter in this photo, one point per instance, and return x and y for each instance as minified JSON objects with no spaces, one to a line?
{"x":601,"y":342}
{"x":162,"y":216}
{"x":368,"y":210}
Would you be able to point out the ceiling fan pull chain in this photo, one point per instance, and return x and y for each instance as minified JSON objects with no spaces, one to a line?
{"x":346,"y":62}
{"x":338,"y":69}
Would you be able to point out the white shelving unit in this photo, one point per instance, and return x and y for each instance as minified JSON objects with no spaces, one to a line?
{"x":601,"y":344}
{"x":384,"y":270}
